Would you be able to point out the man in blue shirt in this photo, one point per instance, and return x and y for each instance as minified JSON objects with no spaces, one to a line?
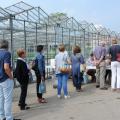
{"x":6,"y":82}
{"x":99,"y":58}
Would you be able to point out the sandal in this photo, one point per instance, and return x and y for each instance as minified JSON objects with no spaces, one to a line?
{"x":42,"y":100}
{"x":45,"y":101}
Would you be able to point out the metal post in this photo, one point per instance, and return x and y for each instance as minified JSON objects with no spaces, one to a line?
{"x":88,"y":36}
{"x":27,"y":16}
{"x":11,"y":33}
{"x":36,"y":36}
{"x":12,"y":47}
{"x":62,"y":35}
{"x":80,"y":39}
{"x":84,"y":42}
{"x":69,"y":41}
{"x":92,"y":41}
{"x":39,"y":14}
{"x":98,"y":37}
{"x":47,"y":47}
{"x":75,"y":36}
{"x":109,"y":37}
{"x":105,"y":38}
{"x":72,"y":23}
{"x":55,"y":39}
{"x":25,"y":37}
{"x":48,"y":20}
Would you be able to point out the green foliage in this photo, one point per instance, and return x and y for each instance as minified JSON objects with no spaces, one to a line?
{"x":58,"y":17}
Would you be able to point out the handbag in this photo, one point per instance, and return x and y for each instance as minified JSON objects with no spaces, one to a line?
{"x":65,"y":67}
{"x":42,"y":87}
{"x":55,"y":81}
{"x":85,"y":78}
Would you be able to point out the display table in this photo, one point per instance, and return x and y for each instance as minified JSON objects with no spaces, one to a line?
{"x":94,"y":67}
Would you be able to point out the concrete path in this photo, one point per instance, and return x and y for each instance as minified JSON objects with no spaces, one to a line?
{"x":92,"y":104}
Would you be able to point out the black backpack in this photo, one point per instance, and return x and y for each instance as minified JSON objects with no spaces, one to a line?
{"x":35,"y":67}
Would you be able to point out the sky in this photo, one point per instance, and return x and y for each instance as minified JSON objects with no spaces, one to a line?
{"x":100,"y":12}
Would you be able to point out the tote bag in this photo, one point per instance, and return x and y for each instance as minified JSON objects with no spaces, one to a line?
{"x":65,"y":67}
{"x":55,"y":81}
{"x":42,"y":87}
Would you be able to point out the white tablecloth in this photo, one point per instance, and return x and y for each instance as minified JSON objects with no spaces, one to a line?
{"x":94,"y":67}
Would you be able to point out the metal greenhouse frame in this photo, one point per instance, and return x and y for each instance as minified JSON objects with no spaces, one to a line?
{"x":25,"y":26}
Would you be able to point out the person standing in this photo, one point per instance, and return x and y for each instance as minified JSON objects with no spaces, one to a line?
{"x":22,"y":75}
{"x":62,"y":59}
{"x":40,"y":74}
{"x":6,"y":82}
{"x":77,"y":59}
{"x":115,"y":65}
{"x":99,"y":57}
{"x":91,"y":72}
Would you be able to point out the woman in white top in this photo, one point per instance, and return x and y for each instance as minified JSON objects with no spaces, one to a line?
{"x":60,"y":59}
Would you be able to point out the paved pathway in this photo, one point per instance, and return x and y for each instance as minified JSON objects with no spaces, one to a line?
{"x":92,"y":104}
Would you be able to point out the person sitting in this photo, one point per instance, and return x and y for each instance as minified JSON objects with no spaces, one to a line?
{"x":91,"y":72}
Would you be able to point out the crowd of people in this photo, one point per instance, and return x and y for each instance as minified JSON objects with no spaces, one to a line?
{"x":100,"y":58}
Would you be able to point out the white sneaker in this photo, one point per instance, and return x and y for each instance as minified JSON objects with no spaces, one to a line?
{"x":66,"y":96}
{"x":59,"y":96}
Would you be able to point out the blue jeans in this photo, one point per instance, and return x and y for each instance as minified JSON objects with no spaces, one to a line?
{"x":62,"y":82}
{"x":6,"y":95}
{"x":77,"y":82}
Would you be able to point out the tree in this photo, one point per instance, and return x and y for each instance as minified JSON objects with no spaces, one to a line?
{"x":58,"y":17}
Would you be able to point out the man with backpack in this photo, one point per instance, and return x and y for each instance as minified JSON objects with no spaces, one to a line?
{"x":39,"y":68}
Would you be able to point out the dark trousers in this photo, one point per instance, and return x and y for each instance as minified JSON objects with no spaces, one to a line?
{"x":108,"y":75}
{"x":23,"y":94}
{"x":92,"y":72}
{"x":77,"y":80}
{"x":39,"y":95}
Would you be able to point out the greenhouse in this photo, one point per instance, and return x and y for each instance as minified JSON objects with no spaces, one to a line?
{"x":25,"y":26}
